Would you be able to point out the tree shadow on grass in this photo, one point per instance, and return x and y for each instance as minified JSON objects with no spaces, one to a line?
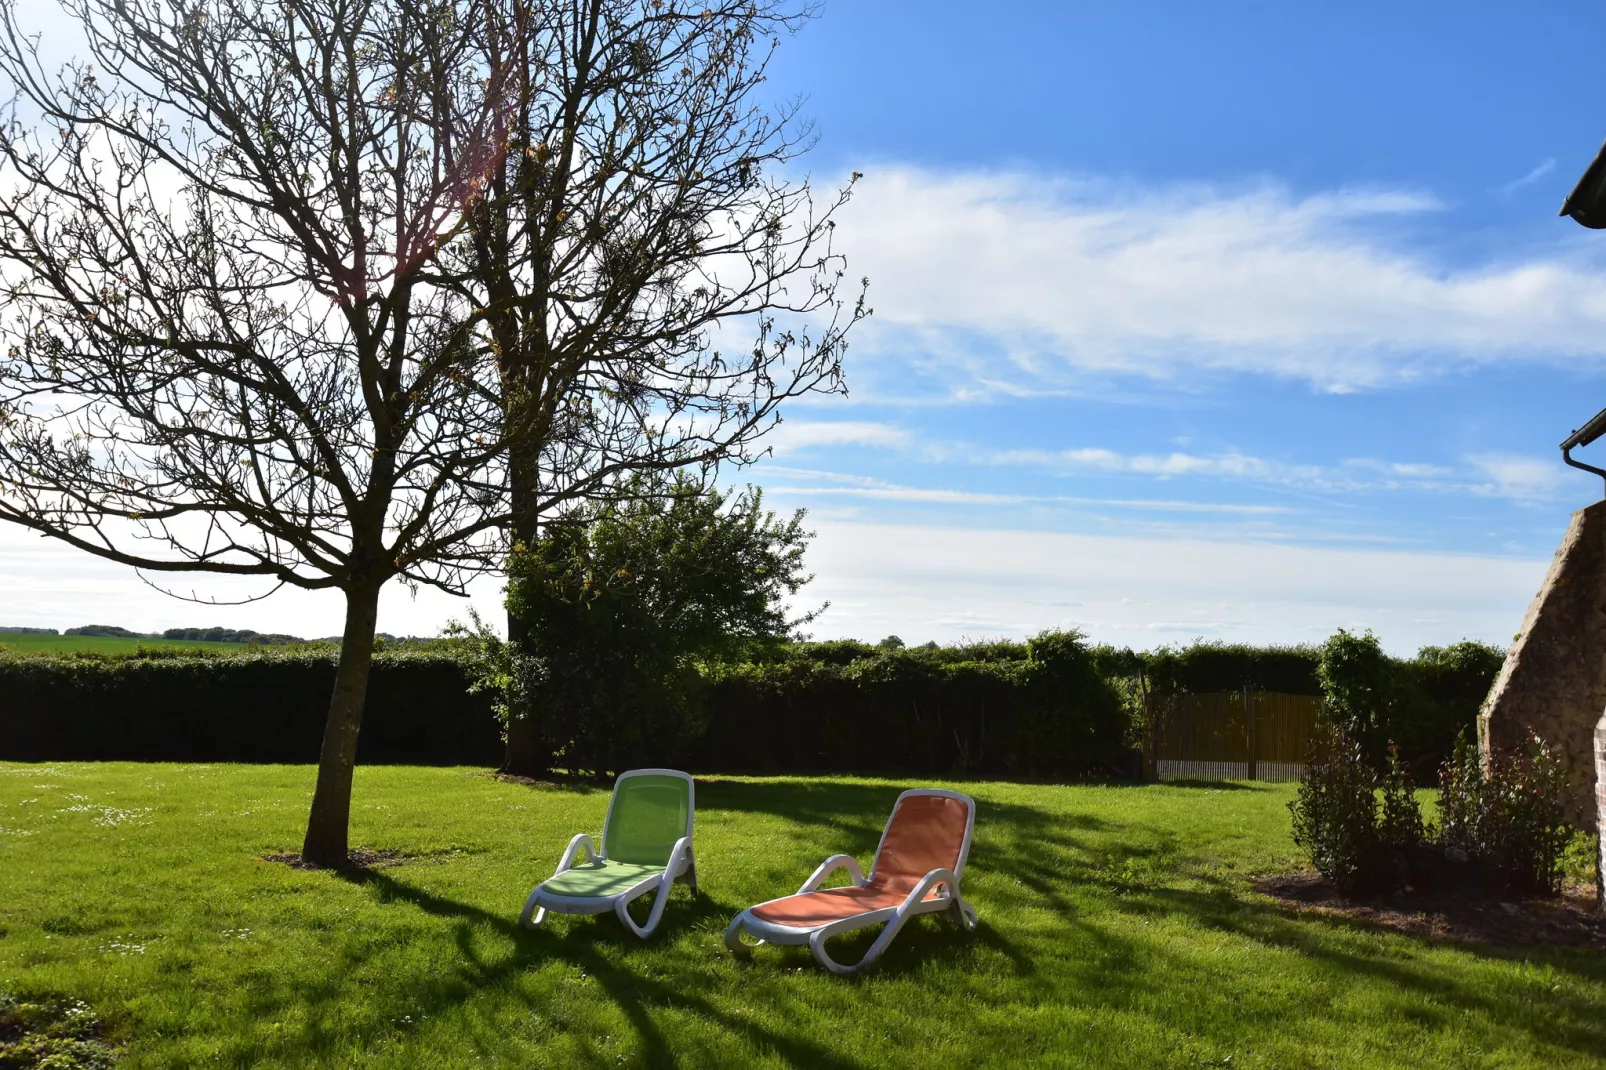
{"x":1093,"y":874}
{"x":585,"y":947}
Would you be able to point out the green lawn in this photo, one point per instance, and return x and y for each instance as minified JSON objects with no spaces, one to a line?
{"x":1117,"y":930}
{"x":30,"y":643}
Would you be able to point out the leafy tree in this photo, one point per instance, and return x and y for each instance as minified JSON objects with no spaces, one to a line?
{"x":619,"y":603}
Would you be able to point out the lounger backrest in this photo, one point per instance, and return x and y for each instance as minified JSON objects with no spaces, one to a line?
{"x":651,"y":809}
{"x":928,"y":830}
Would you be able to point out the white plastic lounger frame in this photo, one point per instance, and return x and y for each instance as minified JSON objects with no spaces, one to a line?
{"x":680,"y":863}
{"x":915,"y":903}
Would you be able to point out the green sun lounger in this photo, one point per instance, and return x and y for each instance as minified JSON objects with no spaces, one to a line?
{"x":646,"y":847}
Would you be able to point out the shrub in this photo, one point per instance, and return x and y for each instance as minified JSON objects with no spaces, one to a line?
{"x":1335,"y":811}
{"x":1357,"y":681}
{"x":1509,"y":819}
{"x":1399,"y":825}
{"x":1506,"y":823}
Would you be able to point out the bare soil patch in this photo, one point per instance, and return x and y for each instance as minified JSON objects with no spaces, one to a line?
{"x":358,"y":859}
{"x":1570,"y":920}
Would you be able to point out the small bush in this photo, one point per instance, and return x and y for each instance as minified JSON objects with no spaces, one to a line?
{"x":1511,"y":819}
{"x":1400,"y":825}
{"x":1501,"y":830}
{"x":1335,"y":811}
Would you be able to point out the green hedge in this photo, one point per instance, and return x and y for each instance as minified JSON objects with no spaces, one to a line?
{"x":1051,"y":708}
{"x":261,"y":706}
{"x":1046,"y":713}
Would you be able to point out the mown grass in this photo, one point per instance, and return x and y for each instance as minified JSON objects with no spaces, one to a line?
{"x":33,"y":643}
{"x":1118,"y":929}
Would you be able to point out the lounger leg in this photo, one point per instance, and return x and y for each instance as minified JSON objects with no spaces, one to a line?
{"x":964,"y":914}
{"x":733,"y":937}
{"x":621,"y":907}
{"x":821,"y":935}
{"x":524,"y":915}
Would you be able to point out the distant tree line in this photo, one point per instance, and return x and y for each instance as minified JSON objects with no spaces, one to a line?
{"x":208,"y":635}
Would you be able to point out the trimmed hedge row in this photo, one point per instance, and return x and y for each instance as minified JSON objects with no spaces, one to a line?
{"x":916,"y":713}
{"x":1052,"y":707}
{"x":261,"y":706}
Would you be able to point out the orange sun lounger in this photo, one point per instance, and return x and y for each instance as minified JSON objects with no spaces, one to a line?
{"x":916,"y":871}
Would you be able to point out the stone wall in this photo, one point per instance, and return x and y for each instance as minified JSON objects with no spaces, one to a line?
{"x":1554,"y":677}
{"x":1600,"y":813}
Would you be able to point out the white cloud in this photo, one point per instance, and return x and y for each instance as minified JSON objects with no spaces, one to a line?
{"x":1520,"y":478}
{"x":1509,"y":476}
{"x":794,"y":435}
{"x":1543,"y":168}
{"x":1018,"y":282}
{"x":894,"y":492}
{"x":946,"y":583}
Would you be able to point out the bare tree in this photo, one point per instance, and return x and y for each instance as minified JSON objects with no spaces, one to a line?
{"x":655,"y":284}
{"x":226,"y":348}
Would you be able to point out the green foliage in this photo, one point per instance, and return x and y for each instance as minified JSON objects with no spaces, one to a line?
{"x":1206,"y":667}
{"x":1437,"y":696}
{"x":891,"y":642}
{"x":1047,"y":713}
{"x":1461,"y":795}
{"x":1335,"y":810}
{"x":253,"y":704}
{"x":52,"y":1033}
{"x":1357,"y":681}
{"x":618,"y":604}
{"x":1400,"y":827}
{"x":1504,"y":825}
{"x":1508,"y":818}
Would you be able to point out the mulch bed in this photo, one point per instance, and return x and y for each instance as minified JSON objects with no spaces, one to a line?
{"x":1569,"y":920}
{"x":358,"y":859}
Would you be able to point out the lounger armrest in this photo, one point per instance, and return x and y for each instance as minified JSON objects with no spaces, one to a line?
{"x":937,"y":876}
{"x":679,"y":857}
{"x":581,"y":840}
{"x":830,"y":866}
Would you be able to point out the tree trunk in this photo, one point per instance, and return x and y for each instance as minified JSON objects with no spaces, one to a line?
{"x":527,"y":752}
{"x":330,"y":820}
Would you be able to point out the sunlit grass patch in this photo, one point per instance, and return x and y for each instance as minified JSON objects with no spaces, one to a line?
{"x":1118,"y":929}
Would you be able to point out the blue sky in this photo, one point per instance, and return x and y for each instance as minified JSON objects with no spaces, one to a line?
{"x":1232,"y":320}
{"x":1222,"y":282}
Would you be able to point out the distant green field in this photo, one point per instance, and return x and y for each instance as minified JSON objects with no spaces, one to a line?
{"x":98,"y":644}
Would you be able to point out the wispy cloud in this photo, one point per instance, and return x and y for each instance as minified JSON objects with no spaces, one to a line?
{"x":1540,"y":171}
{"x":1008,"y":283}
{"x":859,"y":487}
{"x":947,"y":583}
{"x":1520,"y":478}
{"x":793,"y":435}
{"x":1524,"y":478}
